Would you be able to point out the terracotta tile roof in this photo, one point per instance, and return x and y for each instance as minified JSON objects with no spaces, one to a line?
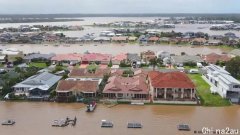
{"x":118,"y":84}
{"x":153,"y":39}
{"x":120,"y":38}
{"x":68,"y":57}
{"x":80,"y":86}
{"x":96,"y":57}
{"x":120,"y":57}
{"x":83,"y":73}
{"x":213,"y":58}
{"x":170,"y":80}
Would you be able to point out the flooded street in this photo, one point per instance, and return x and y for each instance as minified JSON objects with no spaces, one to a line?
{"x":33,"y":118}
{"x":112,"y":48}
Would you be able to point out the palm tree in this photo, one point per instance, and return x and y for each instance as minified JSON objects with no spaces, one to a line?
{"x":153,"y":62}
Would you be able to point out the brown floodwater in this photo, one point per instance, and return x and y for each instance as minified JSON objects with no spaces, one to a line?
{"x":35,"y":118}
{"x":113,"y":48}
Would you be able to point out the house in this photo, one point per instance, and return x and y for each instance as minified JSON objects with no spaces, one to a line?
{"x":127,"y":89}
{"x":116,"y":60}
{"x":132,"y":38}
{"x":181,"y":60}
{"x":230,"y":35}
{"x":234,"y":53}
{"x":37,"y":85}
{"x":198,"y":41}
{"x":216,"y":37}
{"x":171,"y":87}
{"x":215,"y":42}
{"x":164,"y":39}
{"x":212,"y":58}
{"x":12,"y":54}
{"x":146,"y":56}
{"x":119,"y":39}
{"x":3,"y":59}
{"x":143,"y":39}
{"x":153,"y":39}
{"x":71,"y":58}
{"x":97,"y":58}
{"x":134,"y":59}
{"x":37,"y":56}
{"x":66,"y":89}
{"x":223,"y":83}
{"x":163,"y":54}
{"x":84,"y":73}
{"x":102,"y":39}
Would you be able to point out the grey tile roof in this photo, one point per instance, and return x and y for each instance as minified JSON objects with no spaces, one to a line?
{"x":186,"y":58}
{"x":38,"y":55}
{"x":43,"y":81}
{"x":133,"y":57}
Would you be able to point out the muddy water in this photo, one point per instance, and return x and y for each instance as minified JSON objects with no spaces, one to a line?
{"x":113,"y":48}
{"x":36,"y":118}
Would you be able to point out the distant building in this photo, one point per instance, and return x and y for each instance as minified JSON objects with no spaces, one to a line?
{"x":180,"y":60}
{"x":38,"y":56}
{"x":223,"y":83}
{"x":97,"y":58}
{"x":212,"y":58}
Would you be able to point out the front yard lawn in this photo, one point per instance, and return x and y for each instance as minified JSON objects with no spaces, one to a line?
{"x":37,"y":64}
{"x":203,"y":91}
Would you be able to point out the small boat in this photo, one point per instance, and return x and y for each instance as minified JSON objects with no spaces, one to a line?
{"x":183,"y":127}
{"x":81,"y":45}
{"x":106,"y":124}
{"x":45,"y":45}
{"x":56,"y":45}
{"x":91,"y":107}
{"x":95,"y":45}
{"x":8,"y":122}
{"x":134,"y":125}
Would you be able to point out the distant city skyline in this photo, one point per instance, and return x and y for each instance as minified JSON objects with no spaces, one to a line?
{"x":118,"y":6}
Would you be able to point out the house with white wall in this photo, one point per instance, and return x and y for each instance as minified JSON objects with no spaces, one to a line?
{"x":223,"y":83}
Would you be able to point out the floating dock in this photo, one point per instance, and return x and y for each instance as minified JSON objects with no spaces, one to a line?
{"x":64,"y":122}
{"x":134,"y":125}
{"x":183,"y":127}
{"x":8,"y":122}
{"x":106,"y":124}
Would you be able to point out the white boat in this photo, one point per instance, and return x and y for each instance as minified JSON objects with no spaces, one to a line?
{"x":91,"y":107}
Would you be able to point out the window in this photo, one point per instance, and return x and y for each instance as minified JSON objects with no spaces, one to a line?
{"x":236,"y":86}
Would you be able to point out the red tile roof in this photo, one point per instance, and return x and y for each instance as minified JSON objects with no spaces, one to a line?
{"x":67,"y":57}
{"x":83,"y":73}
{"x":153,"y":39}
{"x":120,"y":57}
{"x":118,"y":84}
{"x":96,"y":57}
{"x":170,"y":80}
{"x":80,"y":86}
{"x":213,"y":58}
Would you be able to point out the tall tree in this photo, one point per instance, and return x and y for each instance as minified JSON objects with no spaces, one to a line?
{"x":233,"y":67}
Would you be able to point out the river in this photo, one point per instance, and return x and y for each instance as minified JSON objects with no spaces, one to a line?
{"x":34,"y":118}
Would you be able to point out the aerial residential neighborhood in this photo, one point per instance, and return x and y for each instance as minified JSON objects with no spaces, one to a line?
{"x":147,"y":77}
{"x":119,"y":67}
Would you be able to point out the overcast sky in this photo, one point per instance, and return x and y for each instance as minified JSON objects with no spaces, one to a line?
{"x":118,"y":6}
